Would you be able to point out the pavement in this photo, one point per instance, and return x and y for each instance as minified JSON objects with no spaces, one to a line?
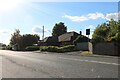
{"x":77,"y":53}
{"x":0,"y":67}
{"x":56,"y":65}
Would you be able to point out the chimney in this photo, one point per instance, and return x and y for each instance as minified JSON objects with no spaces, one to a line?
{"x":80,"y":32}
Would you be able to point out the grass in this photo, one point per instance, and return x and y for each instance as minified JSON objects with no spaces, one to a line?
{"x":86,"y":53}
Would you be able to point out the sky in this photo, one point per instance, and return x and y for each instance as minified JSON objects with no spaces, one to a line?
{"x":29,"y":16}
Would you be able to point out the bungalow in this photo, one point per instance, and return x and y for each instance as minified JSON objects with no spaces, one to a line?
{"x":49,"y":41}
{"x":67,"y":38}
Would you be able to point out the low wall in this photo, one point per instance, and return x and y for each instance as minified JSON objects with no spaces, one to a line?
{"x":105,"y":49}
{"x":84,"y":46}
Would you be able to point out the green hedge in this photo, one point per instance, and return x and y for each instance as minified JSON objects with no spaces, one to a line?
{"x":58,"y":49}
{"x":49,"y":48}
{"x":32,"y":48}
{"x":8,"y":48}
{"x":68,"y":48}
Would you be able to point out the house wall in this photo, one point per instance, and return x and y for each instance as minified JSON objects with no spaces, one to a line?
{"x":66,"y":43}
{"x":84,"y":46}
{"x":105,"y":49}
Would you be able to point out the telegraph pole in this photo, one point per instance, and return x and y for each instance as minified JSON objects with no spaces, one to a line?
{"x":43,"y":33}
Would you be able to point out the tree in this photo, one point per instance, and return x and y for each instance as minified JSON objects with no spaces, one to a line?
{"x":113,"y":29}
{"x":16,"y":39}
{"x":37,"y":36}
{"x":29,"y":40}
{"x":101,"y":32}
{"x":59,"y":29}
{"x":3,"y":45}
{"x":22,"y":41}
{"x":107,"y":32}
{"x":81,"y":38}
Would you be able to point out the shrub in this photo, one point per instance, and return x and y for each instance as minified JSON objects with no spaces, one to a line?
{"x":43,"y":48}
{"x":67,"y":48}
{"x":58,"y":49}
{"x":81,"y":38}
{"x":32,"y":48}
{"x":8,"y":47}
{"x":49,"y":48}
{"x":52,"y":48}
{"x":3,"y":48}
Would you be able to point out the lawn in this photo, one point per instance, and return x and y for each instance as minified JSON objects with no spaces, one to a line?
{"x":86,"y":53}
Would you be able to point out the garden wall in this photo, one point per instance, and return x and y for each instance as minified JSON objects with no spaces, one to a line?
{"x":84,"y":46}
{"x":106,"y":48}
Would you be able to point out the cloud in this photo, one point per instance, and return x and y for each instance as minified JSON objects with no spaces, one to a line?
{"x":5,"y":31}
{"x":39,"y":29}
{"x":5,"y":35}
{"x":114,"y":16}
{"x":91,"y":27}
{"x":76,"y":18}
{"x":95,"y":15}
{"x":8,"y":5}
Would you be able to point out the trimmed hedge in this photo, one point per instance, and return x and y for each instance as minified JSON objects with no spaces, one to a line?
{"x":8,"y":48}
{"x":49,"y":48}
{"x":68,"y":48}
{"x":58,"y":49}
{"x":32,"y":48}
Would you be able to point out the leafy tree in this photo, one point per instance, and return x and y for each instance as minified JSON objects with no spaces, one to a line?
{"x":59,"y":29}
{"x":113,"y":29}
{"x":81,"y":38}
{"x":22,"y":41}
{"x":37,"y":36}
{"x":3,"y":45}
{"x":29,"y":40}
{"x":16,"y":39}
{"x":101,"y":32}
{"x":118,"y":25}
{"x":107,"y":32}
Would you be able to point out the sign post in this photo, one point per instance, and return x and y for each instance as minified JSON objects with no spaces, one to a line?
{"x":88,"y":33}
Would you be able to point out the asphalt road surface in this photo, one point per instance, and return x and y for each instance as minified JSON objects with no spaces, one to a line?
{"x":56,"y":65}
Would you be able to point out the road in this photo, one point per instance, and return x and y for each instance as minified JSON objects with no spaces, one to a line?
{"x":56,"y":65}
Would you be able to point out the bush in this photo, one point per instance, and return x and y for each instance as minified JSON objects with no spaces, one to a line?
{"x":3,"y":48}
{"x":58,"y":49}
{"x":81,"y":38}
{"x":52,"y":48}
{"x":8,"y":47}
{"x":32,"y":48}
{"x":67,"y":48}
{"x":43,"y":48}
{"x":49,"y":48}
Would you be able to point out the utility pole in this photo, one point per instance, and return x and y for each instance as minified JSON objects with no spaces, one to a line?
{"x":43,"y":33}
{"x":88,"y":33}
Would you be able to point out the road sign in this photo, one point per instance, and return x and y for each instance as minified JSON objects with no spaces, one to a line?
{"x":87,"y":31}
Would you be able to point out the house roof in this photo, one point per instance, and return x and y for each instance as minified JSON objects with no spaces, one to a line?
{"x":48,"y":39}
{"x":67,"y":36}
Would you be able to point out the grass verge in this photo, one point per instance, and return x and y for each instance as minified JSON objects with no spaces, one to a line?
{"x":86,"y":53}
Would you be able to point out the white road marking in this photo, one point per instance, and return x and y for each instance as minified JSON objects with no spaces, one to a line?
{"x":92,"y":61}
